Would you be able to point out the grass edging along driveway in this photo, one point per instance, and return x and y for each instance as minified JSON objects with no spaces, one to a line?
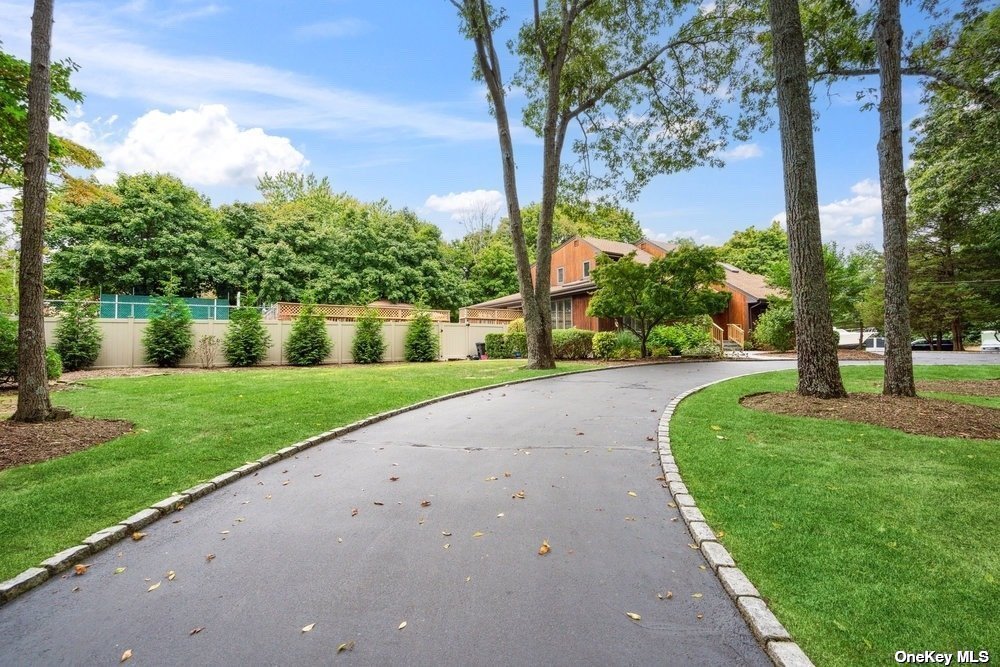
{"x":863,"y":540}
{"x":88,"y":493}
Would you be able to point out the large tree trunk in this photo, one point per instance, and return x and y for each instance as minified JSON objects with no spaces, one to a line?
{"x":898,"y":356}
{"x":534,"y":298}
{"x":819,"y":371}
{"x":32,"y":379}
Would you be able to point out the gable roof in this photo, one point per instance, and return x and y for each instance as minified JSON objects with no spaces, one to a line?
{"x":618,"y":248}
{"x":662,"y":245}
{"x":751,"y":284}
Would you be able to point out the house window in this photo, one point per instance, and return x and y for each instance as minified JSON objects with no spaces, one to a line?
{"x":562,"y":314}
{"x":586,"y":269}
{"x":560,"y":275}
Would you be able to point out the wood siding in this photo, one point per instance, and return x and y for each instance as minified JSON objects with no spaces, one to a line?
{"x":651,"y":248}
{"x":737,"y":313}
{"x":571,"y":257}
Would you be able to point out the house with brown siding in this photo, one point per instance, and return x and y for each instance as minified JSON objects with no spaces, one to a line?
{"x":572,"y":286}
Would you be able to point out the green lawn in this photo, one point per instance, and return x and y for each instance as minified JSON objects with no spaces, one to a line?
{"x":864,"y":540}
{"x":192,"y":427}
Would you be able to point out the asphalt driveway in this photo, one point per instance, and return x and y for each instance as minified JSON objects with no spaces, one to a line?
{"x":330,"y":539}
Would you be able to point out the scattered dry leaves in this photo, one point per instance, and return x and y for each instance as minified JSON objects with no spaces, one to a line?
{"x":171,"y":575}
{"x":127,"y":655}
{"x":401,"y":625}
{"x":346,"y":646}
{"x":195,"y":631}
{"x":80,"y":568}
{"x":309,"y":627}
{"x":154,"y":587}
{"x":634,"y":616}
{"x":518,"y":496}
{"x":545,"y":548}
{"x":425,"y":503}
{"x":354,"y":512}
{"x":137,"y":535}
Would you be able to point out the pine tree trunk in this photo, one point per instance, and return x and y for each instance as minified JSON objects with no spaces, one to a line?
{"x":32,"y":379}
{"x":898,"y":356}
{"x":819,"y":371}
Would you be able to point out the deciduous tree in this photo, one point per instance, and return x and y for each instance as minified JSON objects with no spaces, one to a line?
{"x":637,"y":80}
{"x":682,"y":284}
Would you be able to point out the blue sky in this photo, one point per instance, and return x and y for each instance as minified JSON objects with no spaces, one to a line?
{"x":377,"y":96}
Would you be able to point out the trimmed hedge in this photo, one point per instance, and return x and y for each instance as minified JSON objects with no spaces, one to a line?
{"x":679,"y":337}
{"x":572,"y":343}
{"x":604,"y":344}
{"x":517,"y":344}
{"x":496,"y":346}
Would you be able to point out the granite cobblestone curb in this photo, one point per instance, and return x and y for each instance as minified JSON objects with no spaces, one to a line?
{"x":106,"y":537}
{"x":765,"y":626}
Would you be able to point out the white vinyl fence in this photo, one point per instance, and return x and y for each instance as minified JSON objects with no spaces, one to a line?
{"x":122,"y":340}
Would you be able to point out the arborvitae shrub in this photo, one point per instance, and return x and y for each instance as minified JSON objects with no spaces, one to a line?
{"x":246,"y":340}
{"x":421,"y":342}
{"x":308,"y":344}
{"x":8,"y":354}
{"x":78,"y":338}
{"x":369,"y":345}
{"x":169,"y":336}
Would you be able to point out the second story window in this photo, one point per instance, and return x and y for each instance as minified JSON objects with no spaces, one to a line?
{"x":560,"y":275}
{"x":586,"y":269}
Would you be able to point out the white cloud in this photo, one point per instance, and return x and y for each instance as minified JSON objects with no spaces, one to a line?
{"x":674,"y":236}
{"x":116,"y":63}
{"x":201,"y":146}
{"x":461,"y":204}
{"x":852,"y":220}
{"x":347,"y":27}
{"x":742,"y":152}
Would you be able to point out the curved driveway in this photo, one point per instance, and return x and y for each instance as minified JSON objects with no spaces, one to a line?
{"x":463,"y":571}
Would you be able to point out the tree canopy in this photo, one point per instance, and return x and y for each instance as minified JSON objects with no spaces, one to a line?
{"x":755,"y":250}
{"x":682,"y":284}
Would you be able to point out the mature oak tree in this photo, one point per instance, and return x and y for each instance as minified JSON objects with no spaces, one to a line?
{"x":639,"y":82}
{"x":819,"y":370}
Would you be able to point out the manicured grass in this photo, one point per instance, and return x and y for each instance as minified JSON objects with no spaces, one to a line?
{"x":192,"y":427}
{"x":864,"y":540}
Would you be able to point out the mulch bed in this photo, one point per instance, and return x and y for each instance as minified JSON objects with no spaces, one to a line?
{"x":919,"y":416}
{"x":31,"y":443}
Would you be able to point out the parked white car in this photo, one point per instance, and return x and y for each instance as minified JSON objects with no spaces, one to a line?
{"x":991,"y":341}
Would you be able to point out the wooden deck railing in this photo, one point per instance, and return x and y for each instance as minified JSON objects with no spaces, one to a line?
{"x":334,"y":313}
{"x":488,"y":315}
{"x":736,"y":334}
{"x":718,"y":336}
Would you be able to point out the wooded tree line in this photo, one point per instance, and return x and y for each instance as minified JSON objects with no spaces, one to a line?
{"x":634,"y":90}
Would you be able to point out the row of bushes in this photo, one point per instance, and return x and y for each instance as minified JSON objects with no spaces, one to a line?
{"x":8,"y":354}
{"x":566,"y":343}
{"x":168,"y":338}
{"x":685,"y":339}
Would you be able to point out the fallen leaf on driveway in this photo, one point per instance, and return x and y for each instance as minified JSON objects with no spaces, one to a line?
{"x":700,"y":616}
{"x":126,"y":655}
{"x":478,"y":534}
{"x":136,"y":536}
{"x":119,"y":570}
{"x":506,"y":474}
{"x":633,"y":494}
{"x":354,"y":512}
{"x":309,"y":627}
{"x":447,"y":546}
{"x":446,"y":533}
{"x":650,"y":438}
{"x":223,"y":532}
{"x":209,"y":558}
{"x":401,"y":625}
{"x":634,"y":616}
{"x":154,"y":587}
{"x":80,"y":568}
{"x":696,"y":595}
{"x":665,"y":596}
{"x":500,"y":516}
{"x":346,"y":646}
{"x":391,"y":479}
{"x":692,"y":545}
{"x":545,"y":548}
{"x":491,"y":479}
{"x":171,"y":575}
{"x":379,"y":503}
{"x":425,"y":503}
{"x":519,"y":495}
{"x":195,"y":631}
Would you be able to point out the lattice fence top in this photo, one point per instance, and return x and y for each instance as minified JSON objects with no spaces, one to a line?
{"x":488,"y":315}
{"x":334,"y":313}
